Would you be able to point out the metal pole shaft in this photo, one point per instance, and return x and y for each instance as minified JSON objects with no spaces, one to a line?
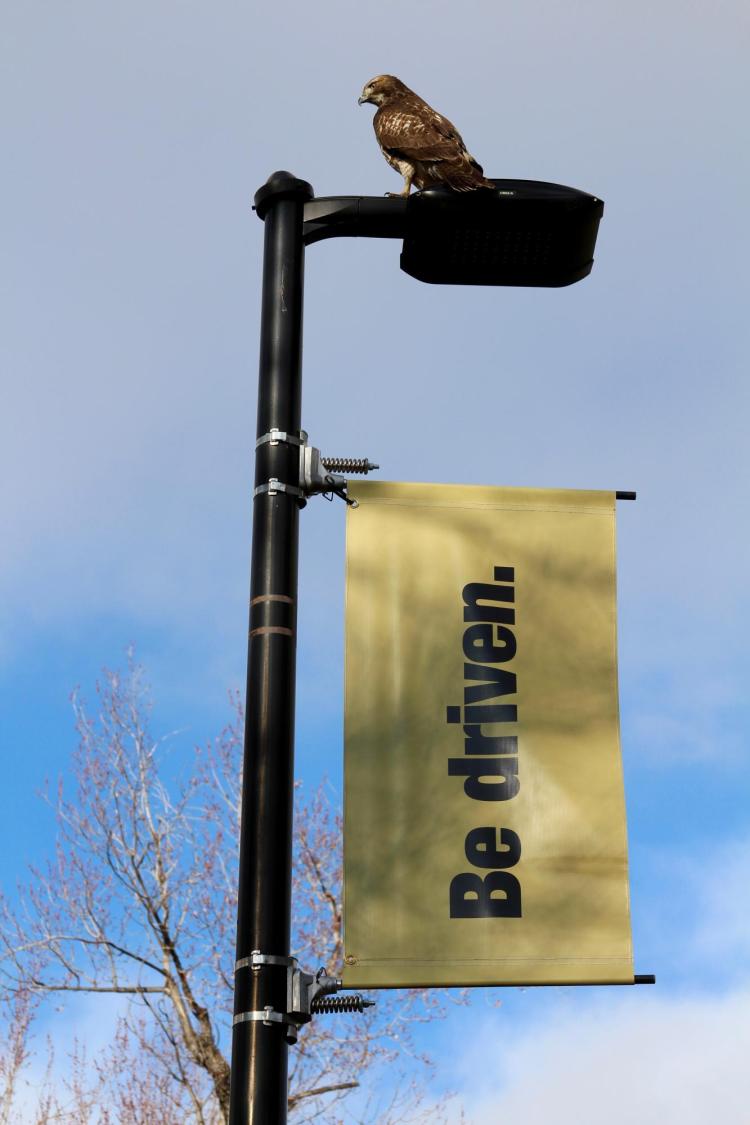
{"x":259,"y":1050}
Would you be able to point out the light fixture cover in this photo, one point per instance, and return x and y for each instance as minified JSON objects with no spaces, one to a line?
{"x":524,"y":232}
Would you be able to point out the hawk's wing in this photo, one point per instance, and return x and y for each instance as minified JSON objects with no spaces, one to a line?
{"x":418,"y":136}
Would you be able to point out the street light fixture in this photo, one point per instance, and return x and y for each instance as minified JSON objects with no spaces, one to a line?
{"x":520,"y":233}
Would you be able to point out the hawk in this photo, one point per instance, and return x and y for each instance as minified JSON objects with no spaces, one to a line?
{"x":418,"y":141}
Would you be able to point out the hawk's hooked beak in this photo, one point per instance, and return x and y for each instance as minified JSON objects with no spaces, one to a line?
{"x":362,"y":98}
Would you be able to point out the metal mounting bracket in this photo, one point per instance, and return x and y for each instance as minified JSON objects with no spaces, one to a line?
{"x":314,"y":477}
{"x":273,"y":437}
{"x":306,"y":994}
{"x":267,"y":1016}
{"x":317,"y":475}
{"x":256,"y":959}
{"x":274,"y":485}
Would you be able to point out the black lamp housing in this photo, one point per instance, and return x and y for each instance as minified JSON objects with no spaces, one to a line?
{"x":521,"y":232}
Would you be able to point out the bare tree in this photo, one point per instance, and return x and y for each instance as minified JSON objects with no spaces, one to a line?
{"x":15,"y":1016}
{"x":139,"y":901}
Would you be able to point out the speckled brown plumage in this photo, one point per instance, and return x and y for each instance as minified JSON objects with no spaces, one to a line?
{"x":416,"y":140}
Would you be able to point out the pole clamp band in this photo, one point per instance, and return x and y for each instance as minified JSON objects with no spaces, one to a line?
{"x":275,"y":436}
{"x":273,"y":486}
{"x":267,"y":1016}
{"x":256,"y":959}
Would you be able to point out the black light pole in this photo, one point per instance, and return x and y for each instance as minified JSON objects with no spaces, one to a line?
{"x":520,"y":233}
{"x":259,"y":1048}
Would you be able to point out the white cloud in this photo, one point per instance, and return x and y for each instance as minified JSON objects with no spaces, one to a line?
{"x":653,"y":1061}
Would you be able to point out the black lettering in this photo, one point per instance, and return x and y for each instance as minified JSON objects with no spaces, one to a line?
{"x":476,"y":592}
{"x":479,"y":743}
{"x":506,"y":645}
{"x":482,"y":849}
{"x":505,"y":574}
{"x":489,"y":767}
{"x":492,"y":713}
{"x":475,"y":769}
{"x":472,"y":896}
{"x":497,"y":681}
{"x":480,"y":647}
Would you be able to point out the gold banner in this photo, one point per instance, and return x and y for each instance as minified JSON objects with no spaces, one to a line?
{"x":485,"y":839}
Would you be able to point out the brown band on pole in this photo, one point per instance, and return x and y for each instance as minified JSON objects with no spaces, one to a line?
{"x":272,"y":598}
{"x":271,"y":629}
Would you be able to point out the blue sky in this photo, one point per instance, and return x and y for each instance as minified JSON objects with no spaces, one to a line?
{"x":134,"y":137}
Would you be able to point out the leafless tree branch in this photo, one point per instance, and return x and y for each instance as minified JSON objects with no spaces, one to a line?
{"x":144,"y":875}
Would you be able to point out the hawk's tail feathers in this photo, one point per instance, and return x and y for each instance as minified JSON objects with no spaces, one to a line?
{"x":469,"y":181}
